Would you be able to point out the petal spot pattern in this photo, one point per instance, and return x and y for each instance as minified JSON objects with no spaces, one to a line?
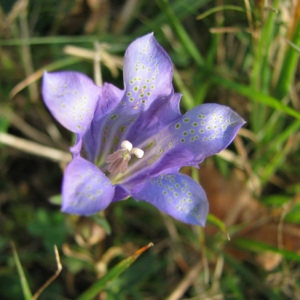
{"x":194,"y":139}
{"x":69,"y":99}
{"x":177,"y":195}
{"x":214,"y":127}
{"x":147,"y":68}
{"x":84,"y":188}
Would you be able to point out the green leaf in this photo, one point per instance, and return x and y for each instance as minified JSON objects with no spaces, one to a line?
{"x":111,"y":275}
{"x":4,"y":123}
{"x":249,"y":278}
{"x":259,"y":247}
{"x":218,"y":223}
{"x":25,"y":286}
{"x":260,"y":77}
{"x":56,"y":199}
{"x":42,"y":221}
{"x":218,"y":9}
{"x":275,"y":163}
{"x":293,"y":216}
{"x":275,"y":200}
{"x":183,"y":36}
{"x":289,"y":66}
{"x":101,"y":221}
{"x":256,"y":96}
{"x":187,"y":100}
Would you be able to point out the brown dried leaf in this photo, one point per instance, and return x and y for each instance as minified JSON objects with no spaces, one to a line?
{"x":232,"y":201}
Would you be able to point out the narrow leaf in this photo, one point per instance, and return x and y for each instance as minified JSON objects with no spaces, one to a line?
{"x":25,"y":286}
{"x":218,"y":9}
{"x":112,"y":274}
{"x":258,"y":247}
{"x":218,"y":223}
{"x":256,"y":96}
{"x":185,"y":39}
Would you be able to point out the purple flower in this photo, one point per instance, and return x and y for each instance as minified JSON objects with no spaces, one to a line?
{"x":133,"y":142}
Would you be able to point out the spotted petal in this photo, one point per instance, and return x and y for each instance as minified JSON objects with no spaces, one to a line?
{"x":86,"y":190}
{"x":203,"y":131}
{"x":177,"y":195}
{"x":72,"y":98}
{"x":159,"y":115}
{"x":148,"y":73}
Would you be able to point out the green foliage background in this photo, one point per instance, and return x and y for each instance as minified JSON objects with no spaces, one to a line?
{"x":240,"y":53}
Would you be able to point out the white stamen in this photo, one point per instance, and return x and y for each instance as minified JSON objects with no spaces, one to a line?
{"x":139,"y":153}
{"x":126,"y":145}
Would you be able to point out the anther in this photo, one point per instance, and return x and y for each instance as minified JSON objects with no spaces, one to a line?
{"x":126,"y":145}
{"x":139,"y":153}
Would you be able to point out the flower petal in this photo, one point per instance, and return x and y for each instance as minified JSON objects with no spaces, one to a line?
{"x":98,"y":133}
{"x":148,"y":72}
{"x":121,"y":193}
{"x":111,"y":97}
{"x":71,"y":97}
{"x":203,"y":131}
{"x":159,"y":115}
{"x":148,"y":83}
{"x":177,"y":195}
{"x":86,"y":190}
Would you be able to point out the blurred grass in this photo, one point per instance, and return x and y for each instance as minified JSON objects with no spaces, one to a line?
{"x":240,"y":53}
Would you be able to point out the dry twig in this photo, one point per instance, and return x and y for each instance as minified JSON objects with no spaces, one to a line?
{"x":34,"y":148}
{"x":186,"y":282}
{"x":52,"y":278}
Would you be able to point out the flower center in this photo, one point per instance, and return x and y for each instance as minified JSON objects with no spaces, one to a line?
{"x":118,"y":161}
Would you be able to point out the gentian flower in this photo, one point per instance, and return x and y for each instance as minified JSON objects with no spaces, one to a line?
{"x":133,"y":142}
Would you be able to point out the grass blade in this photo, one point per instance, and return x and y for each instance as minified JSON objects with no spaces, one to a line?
{"x":220,"y":8}
{"x":185,"y":39}
{"x":289,"y":66}
{"x":256,"y":96}
{"x":251,"y":245}
{"x":250,"y":278}
{"x":112,"y":274}
{"x":25,"y":286}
